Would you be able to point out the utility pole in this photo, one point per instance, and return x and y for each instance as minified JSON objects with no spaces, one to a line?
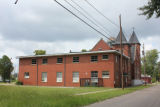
{"x":16,"y":2}
{"x":143,"y":52}
{"x":121,"y":66}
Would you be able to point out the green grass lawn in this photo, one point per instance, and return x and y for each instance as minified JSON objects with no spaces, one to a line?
{"x":22,"y":96}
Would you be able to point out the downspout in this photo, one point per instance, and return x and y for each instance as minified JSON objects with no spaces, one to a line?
{"x":64,"y":70}
{"x":37,"y":72}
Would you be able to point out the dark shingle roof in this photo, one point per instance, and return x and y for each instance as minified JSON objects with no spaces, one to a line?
{"x":133,"y":38}
{"x":117,"y":41}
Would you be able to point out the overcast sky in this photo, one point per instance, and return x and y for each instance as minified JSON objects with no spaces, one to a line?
{"x":43,"y":24}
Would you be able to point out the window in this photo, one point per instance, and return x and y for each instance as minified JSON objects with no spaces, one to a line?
{"x":34,"y":61}
{"x":59,"y":60}
{"x":94,"y":58}
{"x":26,"y":75}
{"x":75,"y":76}
{"x":59,"y":76}
{"x":75,"y":59}
{"x":94,"y":76}
{"x":116,"y":59}
{"x":45,"y":61}
{"x":105,"y":74}
{"x":105,"y":57}
{"x":44,"y":76}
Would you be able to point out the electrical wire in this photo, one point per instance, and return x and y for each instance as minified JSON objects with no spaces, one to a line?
{"x":101,"y":13}
{"x":90,"y":16}
{"x":86,"y":16}
{"x":82,"y":20}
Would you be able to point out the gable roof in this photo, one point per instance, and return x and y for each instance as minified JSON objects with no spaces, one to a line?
{"x":118,"y":39}
{"x":133,"y":38}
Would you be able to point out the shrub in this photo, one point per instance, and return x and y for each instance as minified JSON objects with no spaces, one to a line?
{"x":153,"y":80}
{"x":19,"y":83}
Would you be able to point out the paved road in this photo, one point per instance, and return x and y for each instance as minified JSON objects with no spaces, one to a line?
{"x":149,"y":97}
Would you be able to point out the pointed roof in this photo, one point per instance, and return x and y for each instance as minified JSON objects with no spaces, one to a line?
{"x":133,"y":38}
{"x":118,"y":39}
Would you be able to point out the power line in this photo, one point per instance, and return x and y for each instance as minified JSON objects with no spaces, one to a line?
{"x":101,"y":13}
{"x":82,"y":20}
{"x":85,"y":16}
{"x":90,"y":15}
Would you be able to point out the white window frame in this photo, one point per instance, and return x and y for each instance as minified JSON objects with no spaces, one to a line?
{"x":59,"y":77}
{"x":104,"y":75}
{"x":44,"y":79}
{"x":26,"y":76}
{"x":75,"y":77}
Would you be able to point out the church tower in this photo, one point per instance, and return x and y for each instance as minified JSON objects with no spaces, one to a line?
{"x":135,"y":56}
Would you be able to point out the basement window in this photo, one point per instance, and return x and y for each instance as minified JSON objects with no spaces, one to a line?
{"x":26,"y":75}
{"x":94,"y":58}
{"x":105,"y":74}
{"x":44,"y":76}
{"x":34,"y":61}
{"x":45,"y":61}
{"x":75,"y":59}
{"x":59,"y":60}
{"x":105,"y":57}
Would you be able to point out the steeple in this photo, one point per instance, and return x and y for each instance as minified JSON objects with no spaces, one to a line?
{"x":133,"y":39}
{"x":117,"y":41}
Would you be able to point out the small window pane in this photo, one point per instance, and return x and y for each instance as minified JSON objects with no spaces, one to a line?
{"x":94,"y":58}
{"x":75,"y":59}
{"x":45,"y":61}
{"x":34,"y":61}
{"x":105,"y":74}
{"x":75,"y":76}
{"x":59,"y":60}
{"x":105,"y":57}
{"x":26,"y":75}
{"x":94,"y":74}
{"x":59,"y":76}
{"x":44,"y":76}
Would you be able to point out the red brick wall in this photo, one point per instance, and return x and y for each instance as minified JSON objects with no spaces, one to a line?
{"x":126,"y":49}
{"x":84,"y":67}
{"x":101,"y":45}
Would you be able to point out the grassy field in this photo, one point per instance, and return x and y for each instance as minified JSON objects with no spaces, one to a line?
{"x":22,"y":96}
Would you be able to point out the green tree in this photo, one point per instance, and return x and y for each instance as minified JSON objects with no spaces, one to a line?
{"x":39,"y":52}
{"x":153,"y":7}
{"x":151,"y":63}
{"x":84,"y":50}
{"x":6,"y":67}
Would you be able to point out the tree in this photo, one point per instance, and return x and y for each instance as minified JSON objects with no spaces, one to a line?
{"x":39,"y":52}
{"x":153,"y":7}
{"x":6,"y":67}
{"x":151,"y":62}
{"x":84,"y":50}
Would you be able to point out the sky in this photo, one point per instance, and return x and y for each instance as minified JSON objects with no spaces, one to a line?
{"x":43,"y":24}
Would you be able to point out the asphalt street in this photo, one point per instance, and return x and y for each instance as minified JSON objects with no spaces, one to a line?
{"x":149,"y":97}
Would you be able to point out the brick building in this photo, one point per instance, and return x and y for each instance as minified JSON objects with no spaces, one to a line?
{"x":98,"y":67}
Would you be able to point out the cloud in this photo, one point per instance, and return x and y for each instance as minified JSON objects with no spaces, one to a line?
{"x":43,"y":24}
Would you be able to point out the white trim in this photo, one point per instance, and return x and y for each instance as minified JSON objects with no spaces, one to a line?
{"x":77,"y":53}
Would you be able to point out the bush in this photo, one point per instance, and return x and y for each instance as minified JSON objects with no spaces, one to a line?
{"x":153,"y":80}
{"x":19,"y":83}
